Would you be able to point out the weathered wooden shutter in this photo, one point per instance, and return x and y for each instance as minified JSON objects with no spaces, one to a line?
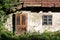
{"x":20,"y":23}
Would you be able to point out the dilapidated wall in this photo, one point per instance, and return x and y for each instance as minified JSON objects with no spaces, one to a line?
{"x":34,"y":22}
{"x":8,"y":23}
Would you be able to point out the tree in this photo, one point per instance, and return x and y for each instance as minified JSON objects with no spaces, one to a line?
{"x":5,"y":6}
{"x":4,"y":10}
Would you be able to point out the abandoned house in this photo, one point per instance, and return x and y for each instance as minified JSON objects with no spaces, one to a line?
{"x":35,"y":16}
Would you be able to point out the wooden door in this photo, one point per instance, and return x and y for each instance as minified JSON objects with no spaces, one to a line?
{"x":20,"y":23}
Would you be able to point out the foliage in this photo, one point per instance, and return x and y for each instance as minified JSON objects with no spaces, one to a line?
{"x":27,"y":36}
{"x":4,"y":9}
{"x":5,"y":6}
{"x":6,"y":35}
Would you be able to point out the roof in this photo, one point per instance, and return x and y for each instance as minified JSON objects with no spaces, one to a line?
{"x":42,"y":3}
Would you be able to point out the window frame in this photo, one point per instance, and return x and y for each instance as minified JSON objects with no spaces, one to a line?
{"x":47,"y":20}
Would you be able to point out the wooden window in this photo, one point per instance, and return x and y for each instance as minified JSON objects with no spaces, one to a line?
{"x":47,"y":19}
{"x":23,"y":20}
{"x":18,"y":20}
{"x":21,"y":23}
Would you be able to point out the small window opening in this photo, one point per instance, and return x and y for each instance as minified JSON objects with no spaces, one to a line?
{"x":47,"y":19}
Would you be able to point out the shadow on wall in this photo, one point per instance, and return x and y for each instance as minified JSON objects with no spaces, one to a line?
{"x":13,"y":22}
{"x":44,"y":9}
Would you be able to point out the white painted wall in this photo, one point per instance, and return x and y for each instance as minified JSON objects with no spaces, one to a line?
{"x":8,"y":23}
{"x":35,"y":22}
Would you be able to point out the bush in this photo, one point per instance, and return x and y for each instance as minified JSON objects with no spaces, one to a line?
{"x":44,"y":36}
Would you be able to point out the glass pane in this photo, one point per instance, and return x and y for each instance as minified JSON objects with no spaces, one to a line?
{"x":49,"y":23}
{"x":49,"y":16}
{"x":49,"y":19}
{"x":23,"y":19}
{"x":44,"y":23}
{"x":44,"y":16}
{"x":18,"y":20}
{"x":45,"y":20}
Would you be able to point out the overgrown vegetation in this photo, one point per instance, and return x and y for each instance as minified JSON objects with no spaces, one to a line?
{"x":4,"y":9}
{"x":6,"y":35}
{"x":27,"y":36}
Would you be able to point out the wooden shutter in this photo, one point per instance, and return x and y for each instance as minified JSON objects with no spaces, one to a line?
{"x":21,"y":23}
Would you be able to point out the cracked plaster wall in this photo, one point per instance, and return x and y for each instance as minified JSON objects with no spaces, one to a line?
{"x":34,"y":22}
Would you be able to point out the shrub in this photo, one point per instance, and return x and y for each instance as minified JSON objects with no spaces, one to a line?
{"x":44,"y":36}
